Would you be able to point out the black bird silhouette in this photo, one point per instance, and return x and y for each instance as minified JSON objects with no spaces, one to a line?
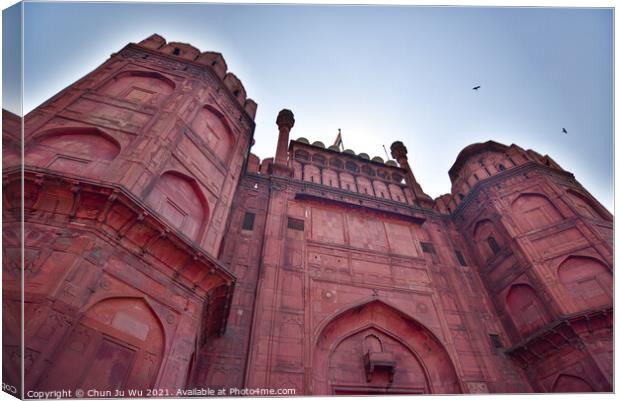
{"x":564,"y":130}
{"x":476,"y":87}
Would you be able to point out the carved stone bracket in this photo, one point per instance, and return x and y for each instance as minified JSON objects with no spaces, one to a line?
{"x":382,"y":361}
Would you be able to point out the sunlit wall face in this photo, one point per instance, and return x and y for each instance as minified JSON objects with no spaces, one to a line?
{"x":378,"y":73}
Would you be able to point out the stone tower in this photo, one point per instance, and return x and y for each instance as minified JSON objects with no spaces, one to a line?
{"x":129,"y":176}
{"x":544,"y":247}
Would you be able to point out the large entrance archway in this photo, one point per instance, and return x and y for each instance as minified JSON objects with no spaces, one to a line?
{"x":373,"y":348}
{"x":118,"y":344}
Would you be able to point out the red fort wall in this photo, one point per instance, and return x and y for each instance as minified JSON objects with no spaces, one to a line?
{"x":160,"y":253}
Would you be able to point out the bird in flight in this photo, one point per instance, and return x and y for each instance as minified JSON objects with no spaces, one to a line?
{"x":476,"y":87}
{"x":564,"y":130}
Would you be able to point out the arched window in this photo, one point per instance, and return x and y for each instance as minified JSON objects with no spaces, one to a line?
{"x":302,"y":154}
{"x":318,"y":159}
{"x":383,"y":174}
{"x":398,"y":178}
{"x":534,"y":211}
{"x":352,"y":167}
{"x":179,"y":200}
{"x":334,"y":162}
{"x":493,"y":245}
{"x":368,"y":171}
{"x":210,"y":125}
{"x":144,"y":87}
{"x":486,"y":239}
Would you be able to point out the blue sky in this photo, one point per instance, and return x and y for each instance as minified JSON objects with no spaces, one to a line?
{"x":379,"y":73}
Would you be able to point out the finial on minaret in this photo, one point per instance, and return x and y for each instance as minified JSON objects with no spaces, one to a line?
{"x":285,"y":121}
{"x":399,"y":152}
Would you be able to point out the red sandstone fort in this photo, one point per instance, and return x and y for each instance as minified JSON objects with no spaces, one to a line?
{"x":160,"y":253}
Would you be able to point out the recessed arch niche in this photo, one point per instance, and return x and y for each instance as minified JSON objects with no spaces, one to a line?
{"x":212,"y":127}
{"x":583,"y":205}
{"x":587,"y":280}
{"x":76,"y":150}
{"x":342,"y":344}
{"x":533,"y":211}
{"x":484,"y":235}
{"x":118,"y":343}
{"x":179,"y":200}
{"x":571,"y":384}
{"x":143,"y":87}
{"x":525,"y":308}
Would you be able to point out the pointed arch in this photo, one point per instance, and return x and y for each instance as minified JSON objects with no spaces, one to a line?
{"x":532,"y":211}
{"x":339,"y":347}
{"x":143,"y":87}
{"x":525,"y":308}
{"x":566,"y":383}
{"x":587,"y":280}
{"x":213,"y":127}
{"x":486,"y":239}
{"x":585,"y":207}
{"x":179,"y":199}
{"x":77,"y":150}
{"x":118,"y":343}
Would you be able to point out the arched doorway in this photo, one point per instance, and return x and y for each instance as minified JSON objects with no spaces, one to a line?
{"x":373,"y":348}
{"x":118,"y":344}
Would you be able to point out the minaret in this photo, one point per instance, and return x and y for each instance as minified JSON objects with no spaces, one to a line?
{"x":285,"y":121}
{"x":399,"y":152}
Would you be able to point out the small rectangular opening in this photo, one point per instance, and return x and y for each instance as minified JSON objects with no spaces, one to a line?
{"x":496,"y":341}
{"x":493,"y":245}
{"x":248,"y":221}
{"x":427,"y":247}
{"x":295,"y":224}
{"x":460,"y":258}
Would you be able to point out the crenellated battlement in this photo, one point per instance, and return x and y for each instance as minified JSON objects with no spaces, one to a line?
{"x":480,"y":161}
{"x":215,"y":61}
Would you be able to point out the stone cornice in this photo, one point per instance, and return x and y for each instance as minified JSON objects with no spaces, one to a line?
{"x":354,"y":199}
{"x":143,"y":215}
{"x":310,"y":197}
{"x":562,"y":331}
